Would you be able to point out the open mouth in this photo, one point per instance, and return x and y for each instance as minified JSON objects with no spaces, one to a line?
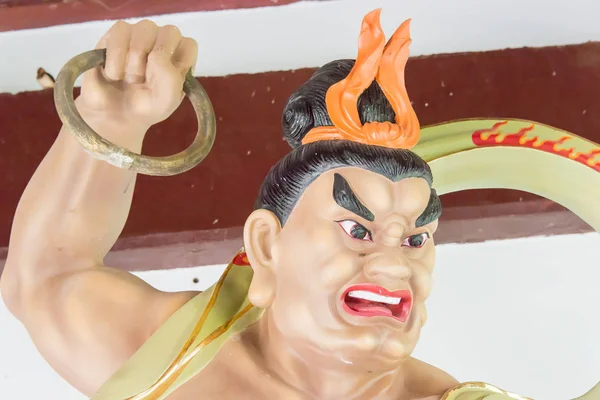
{"x":374,"y":301}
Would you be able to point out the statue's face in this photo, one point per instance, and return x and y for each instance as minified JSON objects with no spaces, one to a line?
{"x":349,"y":273}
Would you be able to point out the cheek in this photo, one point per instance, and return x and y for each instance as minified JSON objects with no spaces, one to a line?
{"x":313,"y":265}
{"x":292,"y":316}
{"x":429,"y":257}
{"x":325,"y":253}
{"x":302,"y":245}
{"x":339,"y":269}
{"x":323,"y":238}
{"x":310,"y":258}
{"x":423,"y":274}
{"x":423,"y":284}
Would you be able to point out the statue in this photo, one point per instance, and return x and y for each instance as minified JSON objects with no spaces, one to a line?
{"x":327,"y":298}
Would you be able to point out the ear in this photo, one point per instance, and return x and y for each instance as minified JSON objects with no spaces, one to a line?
{"x":260,"y":232}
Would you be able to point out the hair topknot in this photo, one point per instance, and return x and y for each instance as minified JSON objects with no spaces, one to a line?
{"x":306,"y":108}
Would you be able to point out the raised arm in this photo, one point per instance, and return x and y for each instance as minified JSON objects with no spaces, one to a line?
{"x":87,"y":319}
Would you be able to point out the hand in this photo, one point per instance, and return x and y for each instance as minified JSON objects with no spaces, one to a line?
{"x":141,"y":83}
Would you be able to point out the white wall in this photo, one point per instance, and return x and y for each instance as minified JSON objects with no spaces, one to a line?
{"x":308,"y":34}
{"x":521,"y":314}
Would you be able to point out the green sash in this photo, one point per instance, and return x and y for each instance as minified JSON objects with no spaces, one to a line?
{"x":154,"y":357}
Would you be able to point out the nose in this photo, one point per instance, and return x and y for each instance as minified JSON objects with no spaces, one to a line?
{"x":392,"y":234}
{"x":390,"y":266}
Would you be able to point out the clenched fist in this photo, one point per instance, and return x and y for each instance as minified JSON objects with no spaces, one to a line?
{"x":142,"y":80}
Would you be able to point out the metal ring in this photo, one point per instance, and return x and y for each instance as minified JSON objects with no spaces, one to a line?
{"x":103,"y":149}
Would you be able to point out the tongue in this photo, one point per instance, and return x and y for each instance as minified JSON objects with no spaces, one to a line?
{"x":366,"y":306}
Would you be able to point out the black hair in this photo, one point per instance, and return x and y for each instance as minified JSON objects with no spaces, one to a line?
{"x":306,"y":109}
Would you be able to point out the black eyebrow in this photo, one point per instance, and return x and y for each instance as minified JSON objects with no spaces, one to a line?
{"x":345,"y":198}
{"x":432,"y":212}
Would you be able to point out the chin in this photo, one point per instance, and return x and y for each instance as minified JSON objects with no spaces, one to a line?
{"x":378,"y":350}
{"x":398,"y":349}
{"x":388,"y":340}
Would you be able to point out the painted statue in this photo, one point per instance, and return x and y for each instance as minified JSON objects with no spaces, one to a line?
{"x":327,"y":298}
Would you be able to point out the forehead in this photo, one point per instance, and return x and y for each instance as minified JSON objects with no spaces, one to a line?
{"x":408,"y":196}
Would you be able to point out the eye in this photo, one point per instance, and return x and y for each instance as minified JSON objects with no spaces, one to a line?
{"x":416,"y":241}
{"x":355,"y":230}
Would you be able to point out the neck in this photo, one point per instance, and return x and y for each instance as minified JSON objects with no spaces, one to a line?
{"x":318,"y":374}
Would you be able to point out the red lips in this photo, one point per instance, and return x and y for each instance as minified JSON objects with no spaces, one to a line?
{"x":368,"y":300}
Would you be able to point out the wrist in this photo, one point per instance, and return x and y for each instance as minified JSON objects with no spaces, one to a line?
{"x":112,"y":126}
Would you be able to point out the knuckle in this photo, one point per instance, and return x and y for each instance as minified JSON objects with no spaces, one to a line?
{"x":187,"y":52}
{"x":171,"y":27}
{"x":145,"y":28}
{"x":157,"y":54}
{"x":120,"y":24}
{"x":146,"y":23}
{"x":190,"y":43}
{"x":172,"y":30}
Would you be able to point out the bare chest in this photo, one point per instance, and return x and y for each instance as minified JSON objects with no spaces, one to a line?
{"x":233,"y":375}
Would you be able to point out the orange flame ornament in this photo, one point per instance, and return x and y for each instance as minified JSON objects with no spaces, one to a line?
{"x":385,"y":63}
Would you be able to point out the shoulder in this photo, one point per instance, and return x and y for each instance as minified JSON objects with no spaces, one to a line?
{"x":427,"y":382}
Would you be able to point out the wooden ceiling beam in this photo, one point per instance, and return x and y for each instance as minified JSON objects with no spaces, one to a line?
{"x":205,"y":207}
{"x":28,"y":14}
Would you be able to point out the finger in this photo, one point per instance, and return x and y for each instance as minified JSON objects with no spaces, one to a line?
{"x":103,"y":42}
{"x":167,"y":41}
{"x":159,"y":59}
{"x":94,"y":78}
{"x":143,"y":38}
{"x":117,"y":48}
{"x":186,"y":56}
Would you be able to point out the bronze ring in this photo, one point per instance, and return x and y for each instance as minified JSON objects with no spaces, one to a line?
{"x":103,"y":149}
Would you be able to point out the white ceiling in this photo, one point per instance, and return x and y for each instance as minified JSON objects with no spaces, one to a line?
{"x":308,"y":34}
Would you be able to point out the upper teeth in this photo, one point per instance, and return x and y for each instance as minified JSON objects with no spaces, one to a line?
{"x":362,"y":294}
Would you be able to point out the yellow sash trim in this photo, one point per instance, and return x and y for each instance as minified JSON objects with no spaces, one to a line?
{"x":485,"y":391}
{"x":480,"y":391}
